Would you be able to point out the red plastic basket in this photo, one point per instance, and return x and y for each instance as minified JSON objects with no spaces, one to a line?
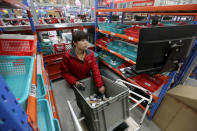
{"x":62,"y":47}
{"x":150,"y":83}
{"x":103,"y":41}
{"x":16,"y":47}
{"x":133,"y":31}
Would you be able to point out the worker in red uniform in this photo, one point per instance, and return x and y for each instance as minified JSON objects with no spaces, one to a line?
{"x":79,"y":62}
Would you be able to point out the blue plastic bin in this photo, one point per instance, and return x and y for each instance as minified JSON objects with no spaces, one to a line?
{"x":130,"y":51}
{"x":41,"y":89}
{"x":116,"y":45}
{"x":44,"y":116}
{"x":109,"y":57}
{"x":57,"y":125}
{"x":17,"y":72}
{"x":120,"y":30}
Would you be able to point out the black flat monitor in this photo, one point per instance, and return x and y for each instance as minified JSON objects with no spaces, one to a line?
{"x":161,"y":49}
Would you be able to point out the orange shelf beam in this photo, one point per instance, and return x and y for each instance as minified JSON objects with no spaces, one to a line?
{"x":32,"y":100}
{"x":116,"y":54}
{"x":132,"y":39}
{"x":176,"y":14}
{"x":190,"y":8}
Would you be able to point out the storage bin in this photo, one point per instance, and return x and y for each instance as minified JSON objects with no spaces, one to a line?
{"x":57,"y":125}
{"x":116,"y":45}
{"x":119,"y":28}
{"x":108,"y":115}
{"x":44,"y":116}
{"x":47,"y":47}
{"x":150,"y":83}
{"x":41,"y":89}
{"x":133,"y":31}
{"x":21,"y":46}
{"x":115,"y":61}
{"x":17,"y":72}
{"x":130,"y":51}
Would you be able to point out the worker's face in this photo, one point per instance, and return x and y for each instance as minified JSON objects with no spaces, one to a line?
{"x":82,"y":44}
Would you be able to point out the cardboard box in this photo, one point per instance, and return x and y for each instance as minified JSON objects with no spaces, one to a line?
{"x":173,"y":115}
{"x":185,"y":94}
{"x":185,"y":120}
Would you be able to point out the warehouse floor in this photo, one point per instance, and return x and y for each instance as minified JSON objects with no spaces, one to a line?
{"x":63,"y":92}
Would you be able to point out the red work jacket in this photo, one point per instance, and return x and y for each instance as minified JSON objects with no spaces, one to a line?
{"x":74,"y":69}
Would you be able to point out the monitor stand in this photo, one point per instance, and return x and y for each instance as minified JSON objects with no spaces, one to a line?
{"x":172,"y":63}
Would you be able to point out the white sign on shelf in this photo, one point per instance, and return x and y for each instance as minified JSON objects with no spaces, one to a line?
{"x":112,"y":33}
{"x":33,"y":91}
{"x":127,"y":59}
{"x":130,"y":38}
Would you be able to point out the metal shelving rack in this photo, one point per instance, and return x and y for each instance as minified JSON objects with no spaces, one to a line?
{"x":32,"y":101}
{"x":180,"y":10}
{"x":28,"y":119}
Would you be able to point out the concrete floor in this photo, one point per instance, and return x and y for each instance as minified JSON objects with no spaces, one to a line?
{"x":63,"y":92}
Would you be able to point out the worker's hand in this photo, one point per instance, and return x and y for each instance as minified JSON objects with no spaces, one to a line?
{"x":80,"y":86}
{"x":102,"y":90}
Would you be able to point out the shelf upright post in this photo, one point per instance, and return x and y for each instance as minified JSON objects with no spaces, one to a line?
{"x":161,"y":95}
{"x":123,"y":13}
{"x":1,"y":16}
{"x":111,"y":7}
{"x":148,"y":19}
{"x":195,"y":19}
{"x":12,"y":115}
{"x":96,"y":23}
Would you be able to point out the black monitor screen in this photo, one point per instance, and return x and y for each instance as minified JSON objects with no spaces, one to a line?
{"x":160,"y":45}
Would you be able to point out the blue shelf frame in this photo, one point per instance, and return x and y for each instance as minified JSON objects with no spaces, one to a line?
{"x":12,"y":115}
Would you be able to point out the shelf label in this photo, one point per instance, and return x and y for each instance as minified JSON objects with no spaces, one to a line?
{"x":110,"y":66}
{"x":126,"y":59}
{"x":112,"y":33}
{"x":33,"y":91}
{"x":111,"y":51}
{"x":123,"y":76}
{"x":130,"y":38}
{"x":53,"y":109}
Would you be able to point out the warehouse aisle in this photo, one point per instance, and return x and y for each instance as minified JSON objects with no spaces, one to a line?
{"x":63,"y":93}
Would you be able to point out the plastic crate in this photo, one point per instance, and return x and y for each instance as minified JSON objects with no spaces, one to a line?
{"x":106,"y":116}
{"x":57,"y":125}
{"x":133,"y":31}
{"x":150,"y":83}
{"x":116,"y":45}
{"x":59,"y":47}
{"x":103,"y":41}
{"x":119,"y":30}
{"x":46,"y":44}
{"x":63,"y":47}
{"x":44,"y":116}
{"x":47,"y":51}
{"x":16,"y":47}
{"x":17,"y":72}
{"x":41,"y":89}
{"x":130,"y":52}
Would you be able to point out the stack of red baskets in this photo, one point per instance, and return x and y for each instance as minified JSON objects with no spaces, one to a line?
{"x":16,"y":47}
